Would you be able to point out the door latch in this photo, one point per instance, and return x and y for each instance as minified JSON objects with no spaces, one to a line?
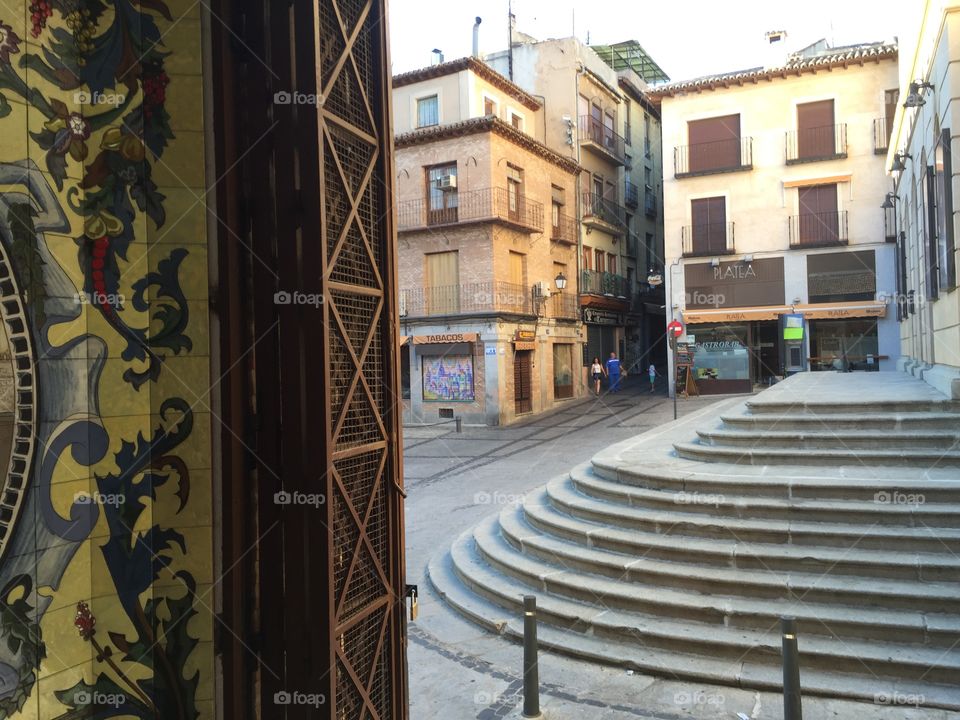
{"x":413,"y":593}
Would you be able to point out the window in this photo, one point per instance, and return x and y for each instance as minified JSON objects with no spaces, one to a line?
{"x":405,"y":372}
{"x":598,"y":186}
{"x":714,"y":144}
{"x":611,"y":263}
{"x":587,"y":258}
{"x":442,"y":194}
{"x":489,"y":106}
{"x":841,"y":276}
{"x":818,"y":222}
{"x":646,"y":134}
{"x":428,"y":111}
{"x":930,"y":224}
{"x":946,"y":248}
{"x":516,"y":121}
{"x":648,"y":178}
{"x":816,"y":137}
{"x":598,"y":256}
{"x":628,"y":162}
{"x":518,"y":271}
{"x":890,"y":99}
{"x":441,"y":275}
{"x":562,"y":370}
{"x":709,"y":231}
{"x":514,"y":191}
{"x":609,"y":133}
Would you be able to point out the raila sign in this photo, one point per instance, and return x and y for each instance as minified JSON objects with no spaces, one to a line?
{"x":444,"y":338}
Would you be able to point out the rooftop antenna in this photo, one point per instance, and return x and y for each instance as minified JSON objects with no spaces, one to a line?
{"x":510,"y":39}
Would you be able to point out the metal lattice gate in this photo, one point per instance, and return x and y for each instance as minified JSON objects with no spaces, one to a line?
{"x":315,"y":604}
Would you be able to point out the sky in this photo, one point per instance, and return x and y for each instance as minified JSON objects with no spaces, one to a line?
{"x":687,"y":38}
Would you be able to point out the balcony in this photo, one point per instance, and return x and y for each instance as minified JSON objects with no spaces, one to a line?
{"x":564,"y":306}
{"x":595,"y":282}
{"x":470,"y":206}
{"x":828,"y":142}
{"x":631,"y":195}
{"x":603,"y":214}
{"x":881,"y":136}
{"x":710,"y":158}
{"x":650,"y":204}
{"x":602,"y":140}
{"x":564,"y":230}
{"x":708,"y":239}
{"x":812,"y":230}
{"x":467,"y":299}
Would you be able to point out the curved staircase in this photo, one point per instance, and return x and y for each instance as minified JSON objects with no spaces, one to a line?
{"x":676,"y":553}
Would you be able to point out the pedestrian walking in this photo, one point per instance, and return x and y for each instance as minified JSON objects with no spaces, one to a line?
{"x":613,"y":372}
{"x":652,"y":372}
{"x":596,"y":373}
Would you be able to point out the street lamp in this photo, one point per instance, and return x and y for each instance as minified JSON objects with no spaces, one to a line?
{"x":561,"y":281}
{"x":888,"y":201}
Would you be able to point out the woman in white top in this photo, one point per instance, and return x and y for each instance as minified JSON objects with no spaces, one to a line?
{"x":596,"y":372}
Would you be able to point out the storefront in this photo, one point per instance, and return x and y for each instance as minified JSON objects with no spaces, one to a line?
{"x":844,"y":335}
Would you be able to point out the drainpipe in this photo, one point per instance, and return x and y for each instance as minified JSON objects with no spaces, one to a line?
{"x":579,"y":194}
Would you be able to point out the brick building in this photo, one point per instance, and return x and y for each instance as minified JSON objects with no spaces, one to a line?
{"x":488,"y":242}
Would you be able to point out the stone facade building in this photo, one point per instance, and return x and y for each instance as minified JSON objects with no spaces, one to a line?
{"x":779,"y":256}
{"x":925,"y":185}
{"x":488,"y":264}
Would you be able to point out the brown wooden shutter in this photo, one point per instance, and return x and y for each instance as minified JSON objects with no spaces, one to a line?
{"x":714,"y":143}
{"x":709,"y":217}
{"x":819,"y":219}
{"x":815,"y":129}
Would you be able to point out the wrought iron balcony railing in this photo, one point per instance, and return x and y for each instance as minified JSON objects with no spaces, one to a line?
{"x":631,"y":194}
{"x":564,"y":306}
{"x":597,"y":208}
{"x":708,"y":239}
{"x":650,"y":203}
{"x":466,"y":299}
{"x":719,"y":156}
{"x":828,"y":142}
{"x":564,"y":229}
{"x":818,"y":229}
{"x":594,"y":282}
{"x":595,"y":135}
{"x":486,"y":204}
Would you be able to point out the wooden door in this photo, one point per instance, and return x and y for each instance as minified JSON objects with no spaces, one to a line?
{"x":522,"y":390}
{"x":819,"y":219}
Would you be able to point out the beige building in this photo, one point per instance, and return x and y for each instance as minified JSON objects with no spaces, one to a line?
{"x":597,"y":116}
{"x":925,"y":177}
{"x":487,"y":235}
{"x":778,"y":256}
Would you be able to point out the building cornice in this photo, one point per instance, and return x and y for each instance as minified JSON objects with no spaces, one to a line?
{"x":859,"y":55}
{"x":491,"y":124}
{"x":478,"y":68}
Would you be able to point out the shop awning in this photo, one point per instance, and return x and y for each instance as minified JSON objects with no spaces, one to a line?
{"x":832,"y":311}
{"x":404,"y":339}
{"x":733,"y":315}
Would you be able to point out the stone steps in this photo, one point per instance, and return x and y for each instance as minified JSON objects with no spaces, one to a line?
{"x":731,"y":552}
{"x":563,"y":495}
{"x":642,"y":657}
{"x":618,"y":627}
{"x":843,"y":422}
{"x":726,"y":580}
{"x":872,"y":407}
{"x":733,"y":611}
{"x":824,"y":457}
{"x":939,"y":440}
{"x":884,"y":508}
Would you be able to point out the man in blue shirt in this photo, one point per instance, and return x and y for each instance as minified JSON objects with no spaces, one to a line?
{"x":613,"y":372}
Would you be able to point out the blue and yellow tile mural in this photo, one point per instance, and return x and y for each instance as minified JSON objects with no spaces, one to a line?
{"x":106,"y":542}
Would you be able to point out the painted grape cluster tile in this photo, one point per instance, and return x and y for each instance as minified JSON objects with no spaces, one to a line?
{"x":106,"y":547}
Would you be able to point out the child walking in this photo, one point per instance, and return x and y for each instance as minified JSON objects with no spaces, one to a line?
{"x":652,"y":371}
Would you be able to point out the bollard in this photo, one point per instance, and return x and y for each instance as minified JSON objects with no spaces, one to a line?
{"x":791,"y":670}
{"x":531,"y":672}
{"x":459,"y":424}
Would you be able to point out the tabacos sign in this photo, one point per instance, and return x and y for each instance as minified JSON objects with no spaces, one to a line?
{"x":444,"y":338}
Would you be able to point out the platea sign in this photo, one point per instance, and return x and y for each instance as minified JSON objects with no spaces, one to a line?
{"x":734,"y":272}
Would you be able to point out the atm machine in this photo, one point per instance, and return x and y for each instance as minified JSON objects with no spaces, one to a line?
{"x":793,"y":349}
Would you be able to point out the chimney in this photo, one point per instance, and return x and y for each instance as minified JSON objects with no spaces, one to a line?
{"x":437,"y":58}
{"x":476,"y":38}
{"x":775,"y":49}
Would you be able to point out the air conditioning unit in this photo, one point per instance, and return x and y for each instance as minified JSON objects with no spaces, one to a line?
{"x":446,"y":183}
{"x":541,"y":290}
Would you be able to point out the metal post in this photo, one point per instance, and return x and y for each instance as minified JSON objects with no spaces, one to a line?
{"x":791,"y":670}
{"x":459,"y":424}
{"x":673,"y":351}
{"x":531,"y":671}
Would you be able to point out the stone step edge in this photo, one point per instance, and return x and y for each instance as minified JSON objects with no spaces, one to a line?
{"x":565,"y":493}
{"x":495,"y":549}
{"x":514,"y":525}
{"x":821,"y":554}
{"x":486,"y":614}
{"x":588,"y":479}
{"x":829,"y":435}
{"x":862,"y":455}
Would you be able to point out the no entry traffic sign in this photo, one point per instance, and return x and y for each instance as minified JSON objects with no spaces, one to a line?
{"x":675,"y":328}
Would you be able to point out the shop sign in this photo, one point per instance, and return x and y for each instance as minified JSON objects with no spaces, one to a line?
{"x":444,"y":338}
{"x":524,"y":335}
{"x":596,"y":317}
{"x":524,"y":346}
